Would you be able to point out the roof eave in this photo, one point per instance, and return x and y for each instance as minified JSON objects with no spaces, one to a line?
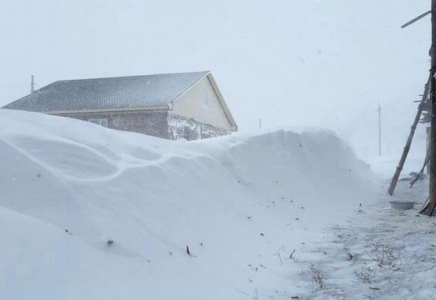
{"x":223,"y":103}
{"x":107,"y":110}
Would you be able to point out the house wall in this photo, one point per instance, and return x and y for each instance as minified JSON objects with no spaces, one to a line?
{"x":198,"y":114}
{"x":183,"y":128}
{"x":153,"y":123}
{"x":201,"y":104}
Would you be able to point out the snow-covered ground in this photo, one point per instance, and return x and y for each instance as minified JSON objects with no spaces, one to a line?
{"x":381,"y":253}
{"x":92,"y":213}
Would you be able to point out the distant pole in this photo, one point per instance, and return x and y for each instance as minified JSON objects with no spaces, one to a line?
{"x":32,"y":84}
{"x":379,"y":131}
{"x":260,"y":123}
{"x":430,"y":207}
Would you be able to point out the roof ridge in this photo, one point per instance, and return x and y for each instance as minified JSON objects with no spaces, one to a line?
{"x":132,"y":76}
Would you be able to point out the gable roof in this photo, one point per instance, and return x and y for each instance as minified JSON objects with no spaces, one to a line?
{"x":117,"y":93}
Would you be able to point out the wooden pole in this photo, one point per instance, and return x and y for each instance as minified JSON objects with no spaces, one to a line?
{"x":409,"y":139}
{"x":32,"y":84}
{"x":416,"y":19}
{"x":429,"y":208}
{"x":379,"y":130}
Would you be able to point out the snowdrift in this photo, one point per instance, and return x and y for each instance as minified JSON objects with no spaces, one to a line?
{"x":241,"y":204}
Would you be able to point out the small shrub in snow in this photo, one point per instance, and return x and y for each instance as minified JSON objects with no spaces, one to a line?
{"x":352,"y":257}
{"x":317,"y":277}
{"x":337,"y":295}
{"x":384,"y":254}
{"x":365,"y":274}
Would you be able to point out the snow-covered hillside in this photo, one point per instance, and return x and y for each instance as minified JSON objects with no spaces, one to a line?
{"x":245,"y":205}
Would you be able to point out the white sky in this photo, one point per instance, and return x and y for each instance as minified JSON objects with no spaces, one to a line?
{"x":293,"y":63}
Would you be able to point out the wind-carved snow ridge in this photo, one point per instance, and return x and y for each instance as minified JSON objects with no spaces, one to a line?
{"x":105,"y":214}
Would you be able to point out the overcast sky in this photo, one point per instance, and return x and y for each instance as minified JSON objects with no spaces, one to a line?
{"x":292,"y":62}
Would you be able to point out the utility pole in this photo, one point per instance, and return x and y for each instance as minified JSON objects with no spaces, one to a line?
{"x":379,"y":130}
{"x":430,"y":207}
{"x":260,"y":123}
{"x":32,"y":84}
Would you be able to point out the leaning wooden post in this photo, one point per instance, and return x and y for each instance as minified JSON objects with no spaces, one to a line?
{"x":409,"y":140}
{"x":429,"y":208}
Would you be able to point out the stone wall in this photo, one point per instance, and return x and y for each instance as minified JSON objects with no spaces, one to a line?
{"x":184,"y":128}
{"x":154,"y":123}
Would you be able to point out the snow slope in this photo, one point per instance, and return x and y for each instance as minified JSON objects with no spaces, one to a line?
{"x":242,"y":204}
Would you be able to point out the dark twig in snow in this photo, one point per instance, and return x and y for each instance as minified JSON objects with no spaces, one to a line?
{"x":280,"y":258}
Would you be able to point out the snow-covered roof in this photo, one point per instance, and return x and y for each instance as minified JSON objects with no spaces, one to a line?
{"x":133,"y":92}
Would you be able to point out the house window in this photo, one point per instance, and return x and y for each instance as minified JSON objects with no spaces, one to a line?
{"x":101,"y":122}
{"x":184,"y":133}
